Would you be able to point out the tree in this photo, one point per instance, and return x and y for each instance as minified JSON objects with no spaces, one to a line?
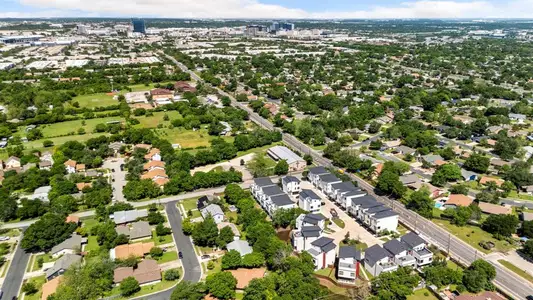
{"x":156,"y":252}
{"x":161,"y":230}
{"x":205,"y":233}
{"x":155,"y":218}
{"x":375,"y":145}
{"x":478,"y":276}
{"x":253,"y":260}
{"x":187,"y":226}
{"x":420,"y":202}
{"x":8,"y":207}
{"x":225,"y":236}
{"x":129,"y":286}
{"x":308,"y":159}
{"x":446,"y":173}
{"x":506,"y":148}
{"x":527,"y":250}
{"x":64,"y":204}
{"x":282,"y":168}
{"x":259,"y":165}
{"x":221,"y":285}
{"x":527,"y":229}
{"x":231,"y":260}
{"x":501,"y":225}
{"x":186,"y":290}
{"x":233,"y":193}
{"x":477,"y":163}
{"x":360,"y":292}
{"x":172,"y":274}
{"x":29,"y":288}
{"x":47,"y":232}
{"x":440,"y":275}
{"x":395,"y":285}
{"x":459,"y":189}
{"x":389,"y":183}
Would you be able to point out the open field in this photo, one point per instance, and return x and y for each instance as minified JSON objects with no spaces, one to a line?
{"x":157,"y":118}
{"x":92,"y":244}
{"x":472,"y":235}
{"x":46,"y":259}
{"x":64,"y":128}
{"x":95,"y":100}
{"x":187,"y":138}
{"x":38,"y":144}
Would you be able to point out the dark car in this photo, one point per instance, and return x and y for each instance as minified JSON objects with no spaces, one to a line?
{"x":122,"y":167}
{"x":530,"y":297}
{"x":180,"y":255}
{"x":333,"y":213}
{"x":206,"y":256}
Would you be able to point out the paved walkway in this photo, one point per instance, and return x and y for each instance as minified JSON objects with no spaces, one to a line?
{"x":513,"y":258}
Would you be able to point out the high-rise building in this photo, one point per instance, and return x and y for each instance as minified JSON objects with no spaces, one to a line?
{"x":81,"y":29}
{"x":138,"y":25}
{"x":287,"y":26}
{"x":274,"y":27}
{"x":254,"y":30}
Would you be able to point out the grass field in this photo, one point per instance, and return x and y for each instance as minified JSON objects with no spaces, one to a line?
{"x":186,"y":138}
{"x":339,"y":222}
{"x":517,"y":270}
{"x":217,"y":268}
{"x":157,"y":118}
{"x":162,"y":240}
{"x":145,"y":290}
{"x":92,"y":244}
{"x":168,"y":257}
{"x":189,"y":204}
{"x":514,"y":194}
{"x":472,"y":235}
{"x":89,"y":223}
{"x":95,"y":100}
{"x":422,"y":294}
{"x":38,"y":144}
{"x":38,"y":281}
{"x":64,"y":128}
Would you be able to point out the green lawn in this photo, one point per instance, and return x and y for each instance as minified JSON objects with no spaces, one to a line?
{"x":92,"y":244}
{"x":89,"y":223}
{"x":64,"y":128}
{"x":147,"y":289}
{"x":95,"y":100}
{"x":38,"y":281}
{"x":517,"y":270}
{"x":157,"y":118}
{"x":189,"y":204}
{"x":186,"y":138}
{"x":216,"y":269}
{"x":165,"y":239}
{"x":38,"y":144}
{"x":514,"y":194}
{"x":339,"y":222}
{"x":168,"y":257}
{"x":472,"y":235}
{"x":422,"y":294}
{"x":46,"y":259}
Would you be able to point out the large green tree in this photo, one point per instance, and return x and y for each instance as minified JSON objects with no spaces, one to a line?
{"x":221,"y":285}
{"x":47,"y":232}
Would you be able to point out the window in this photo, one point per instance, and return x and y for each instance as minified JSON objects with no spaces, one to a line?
{"x":352,"y":274}
{"x":341,"y":272}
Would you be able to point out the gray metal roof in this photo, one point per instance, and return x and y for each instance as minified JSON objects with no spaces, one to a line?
{"x":318,"y":171}
{"x":354,"y":193}
{"x":394,"y":246}
{"x":412,"y":240}
{"x":375,"y":253}
{"x":288,"y":179}
{"x":240,"y":246}
{"x":344,"y":186}
{"x":263,"y":181}
{"x":272,"y":190}
{"x":313,"y":218}
{"x":324,"y":243}
{"x":329,"y":178}
{"x":282,"y":152}
{"x":377,"y":209}
{"x":63,"y":263}
{"x":281,"y":200}
{"x":310,"y":231}
{"x":349,"y":252}
{"x":213,"y":210}
{"x":305,"y":193}
{"x":74,"y":241}
{"x":385,"y":214}
{"x":126,"y":216}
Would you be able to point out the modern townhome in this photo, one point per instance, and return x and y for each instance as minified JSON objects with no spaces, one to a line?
{"x":417,"y":247}
{"x":291,"y":185}
{"x":399,"y":253}
{"x":347,"y":198}
{"x":385,"y":220}
{"x":373,"y":214}
{"x":378,"y":260}
{"x":308,"y":228}
{"x":361,"y":204}
{"x":267,"y":193}
{"x":257,"y":186}
{"x":282,"y":201}
{"x":314,"y":173}
{"x":309,"y":201}
{"x":341,"y":188}
{"x":323,"y":252}
{"x":326,"y":182}
{"x":348,"y":264}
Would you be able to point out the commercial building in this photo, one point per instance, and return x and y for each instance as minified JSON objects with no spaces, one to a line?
{"x":20,"y":39}
{"x":295,"y":162}
{"x":138,"y":26}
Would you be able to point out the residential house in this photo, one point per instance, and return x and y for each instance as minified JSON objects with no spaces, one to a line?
{"x":312,"y":219}
{"x":357,"y":203}
{"x":309,"y":227}
{"x":434,"y":192}
{"x":161,"y":94}
{"x":240,"y":246}
{"x":80,"y":168}
{"x":456,"y":200}
{"x":202,"y":202}
{"x":154,"y":164}
{"x":147,"y":272}
{"x":72,"y":219}
{"x":519,"y":118}
{"x":128,"y":216}
{"x":409,"y":179}
{"x":326,"y":181}
{"x":378,"y":260}
{"x":295,"y":162}
{"x":384,"y":221}
{"x":257,"y":186}
{"x":399,"y":253}
{"x":214,"y":211}
{"x":309,"y":201}
{"x":392,"y":144}
{"x":404,"y":150}
{"x":12,"y":163}
{"x":469,"y":175}
{"x":136,"y":231}
{"x":347,"y":198}
{"x":68,"y":246}
{"x":323,"y":252}
{"x":291,"y":185}
{"x":280,"y":202}
{"x":154,"y":154}
{"x":70,"y":166}
{"x":485,"y":179}
{"x":41,"y":193}
{"x":184,"y":86}
{"x":494,"y":209}
{"x":348,"y":264}
{"x":61,"y":265}
{"x":45,"y":165}
{"x":156,"y":175}
{"x":127,"y":250}
{"x":432,"y":160}
{"x":417,"y":247}
{"x":314,"y":174}
{"x":341,"y":188}
{"x":481,"y":296}
{"x":227,"y":128}
{"x":266,"y":194}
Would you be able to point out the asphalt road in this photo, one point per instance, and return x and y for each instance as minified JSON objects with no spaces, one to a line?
{"x":118,"y":176}
{"x":191,"y":265}
{"x":15,"y":273}
{"x":509,"y":282}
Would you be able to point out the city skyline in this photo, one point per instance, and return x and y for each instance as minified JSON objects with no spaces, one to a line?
{"x":380,"y":9}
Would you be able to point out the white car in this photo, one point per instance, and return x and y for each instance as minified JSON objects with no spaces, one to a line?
{"x":4,"y":238}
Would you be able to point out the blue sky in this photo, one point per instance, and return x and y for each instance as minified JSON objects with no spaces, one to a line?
{"x":270,"y":8}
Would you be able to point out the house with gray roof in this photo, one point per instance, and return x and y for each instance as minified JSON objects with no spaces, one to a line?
{"x":282,"y":201}
{"x":404,"y":150}
{"x":346,"y":198}
{"x":409,"y":179}
{"x":399,"y":252}
{"x":41,"y":193}
{"x":314,"y":173}
{"x":417,"y":247}
{"x":290,"y":185}
{"x":61,"y":265}
{"x":384,"y":221}
{"x":323,"y":252}
{"x":378,"y":260}
{"x":267,"y":193}
{"x":214,"y":211}
{"x":309,"y":201}
{"x":348,"y":263}
{"x":128,"y":216}
{"x":431,"y":159}
{"x":338,"y":189}
{"x":326,"y":181}
{"x":136,"y":231}
{"x":469,"y":175}
{"x":258,"y":184}
{"x":240,"y":246}
{"x":68,"y":246}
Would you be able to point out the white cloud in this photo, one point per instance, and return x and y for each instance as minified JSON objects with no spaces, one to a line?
{"x":256,"y":9}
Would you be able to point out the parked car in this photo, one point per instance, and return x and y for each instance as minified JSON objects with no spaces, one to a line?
{"x":4,"y":238}
{"x":333,"y":213}
{"x":206,"y":256}
{"x":180,"y":255}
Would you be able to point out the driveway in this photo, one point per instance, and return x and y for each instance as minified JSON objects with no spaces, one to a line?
{"x":15,"y":273}
{"x":119,"y":177}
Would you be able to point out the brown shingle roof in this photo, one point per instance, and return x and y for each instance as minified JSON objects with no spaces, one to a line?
{"x":147,"y":271}
{"x":154,"y":164}
{"x":244,"y":276}
{"x":494,"y":209}
{"x":50,"y":287}
{"x":122,"y":273}
{"x":70,"y":163}
{"x":138,"y":250}
{"x":459,"y":200}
